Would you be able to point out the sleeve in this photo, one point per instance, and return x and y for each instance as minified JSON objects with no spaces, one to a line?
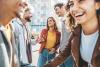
{"x":58,"y":43}
{"x":41,"y":37}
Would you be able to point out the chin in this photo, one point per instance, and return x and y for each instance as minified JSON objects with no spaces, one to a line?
{"x":81,"y":21}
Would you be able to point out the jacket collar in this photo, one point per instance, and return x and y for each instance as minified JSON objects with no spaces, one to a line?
{"x":77,"y":34}
{"x":76,"y":44}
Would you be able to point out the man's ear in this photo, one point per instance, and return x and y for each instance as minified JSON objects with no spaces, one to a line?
{"x":98,"y":5}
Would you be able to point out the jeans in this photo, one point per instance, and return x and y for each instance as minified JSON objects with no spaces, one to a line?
{"x":68,"y":62}
{"x":26,"y":64}
{"x":44,"y":57}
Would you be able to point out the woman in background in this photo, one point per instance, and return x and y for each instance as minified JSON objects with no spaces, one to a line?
{"x":49,"y":40}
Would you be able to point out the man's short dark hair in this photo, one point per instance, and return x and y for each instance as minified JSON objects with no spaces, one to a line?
{"x":58,"y":5}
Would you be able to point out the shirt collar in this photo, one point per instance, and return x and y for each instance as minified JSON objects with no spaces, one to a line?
{"x":18,"y":21}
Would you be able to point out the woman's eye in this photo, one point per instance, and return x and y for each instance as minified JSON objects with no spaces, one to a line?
{"x":71,"y":4}
{"x":80,"y":1}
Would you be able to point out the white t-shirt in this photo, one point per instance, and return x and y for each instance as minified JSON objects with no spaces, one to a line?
{"x":88,"y":43}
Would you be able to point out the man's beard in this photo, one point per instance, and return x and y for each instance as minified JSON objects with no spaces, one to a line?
{"x":17,"y":15}
{"x":28,"y":19}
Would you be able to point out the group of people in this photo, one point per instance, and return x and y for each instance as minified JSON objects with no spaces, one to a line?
{"x":15,"y":35}
{"x":75,"y":43}
{"x":54,"y":38}
{"x":77,"y":38}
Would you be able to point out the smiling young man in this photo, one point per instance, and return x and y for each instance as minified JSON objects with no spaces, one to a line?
{"x":20,"y":26}
{"x":61,"y":12}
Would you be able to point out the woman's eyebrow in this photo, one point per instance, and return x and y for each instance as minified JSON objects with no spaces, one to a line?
{"x":70,"y":2}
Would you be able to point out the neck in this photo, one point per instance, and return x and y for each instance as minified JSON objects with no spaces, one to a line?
{"x":51,"y":29}
{"x":90,"y":26}
{"x":5,"y":19}
{"x":63,"y":15}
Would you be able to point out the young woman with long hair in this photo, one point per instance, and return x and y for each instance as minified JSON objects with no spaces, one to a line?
{"x":49,"y":40}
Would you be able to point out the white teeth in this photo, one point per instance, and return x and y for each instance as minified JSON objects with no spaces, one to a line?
{"x":78,"y":14}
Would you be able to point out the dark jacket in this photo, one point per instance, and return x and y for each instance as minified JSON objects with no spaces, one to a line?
{"x":44,"y":34}
{"x":73,"y":49}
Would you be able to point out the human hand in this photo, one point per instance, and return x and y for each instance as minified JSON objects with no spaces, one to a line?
{"x":52,"y":51}
{"x":41,"y":39}
{"x":47,"y":65}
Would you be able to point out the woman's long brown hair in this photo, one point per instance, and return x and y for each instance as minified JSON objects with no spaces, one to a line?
{"x":55,"y":25}
{"x":72,"y":23}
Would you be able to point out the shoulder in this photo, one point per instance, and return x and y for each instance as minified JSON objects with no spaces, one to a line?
{"x":59,"y":33}
{"x":77,"y":30}
{"x":44,"y":30}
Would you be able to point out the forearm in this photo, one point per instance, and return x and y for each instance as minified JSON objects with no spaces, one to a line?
{"x":60,"y":58}
{"x":62,"y":55}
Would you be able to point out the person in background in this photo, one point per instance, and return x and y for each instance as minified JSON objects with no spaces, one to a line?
{"x":61,"y":11}
{"x":21,"y":37}
{"x":49,"y":39}
{"x":26,"y":19}
{"x":84,"y":41}
{"x":7,"y":50}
